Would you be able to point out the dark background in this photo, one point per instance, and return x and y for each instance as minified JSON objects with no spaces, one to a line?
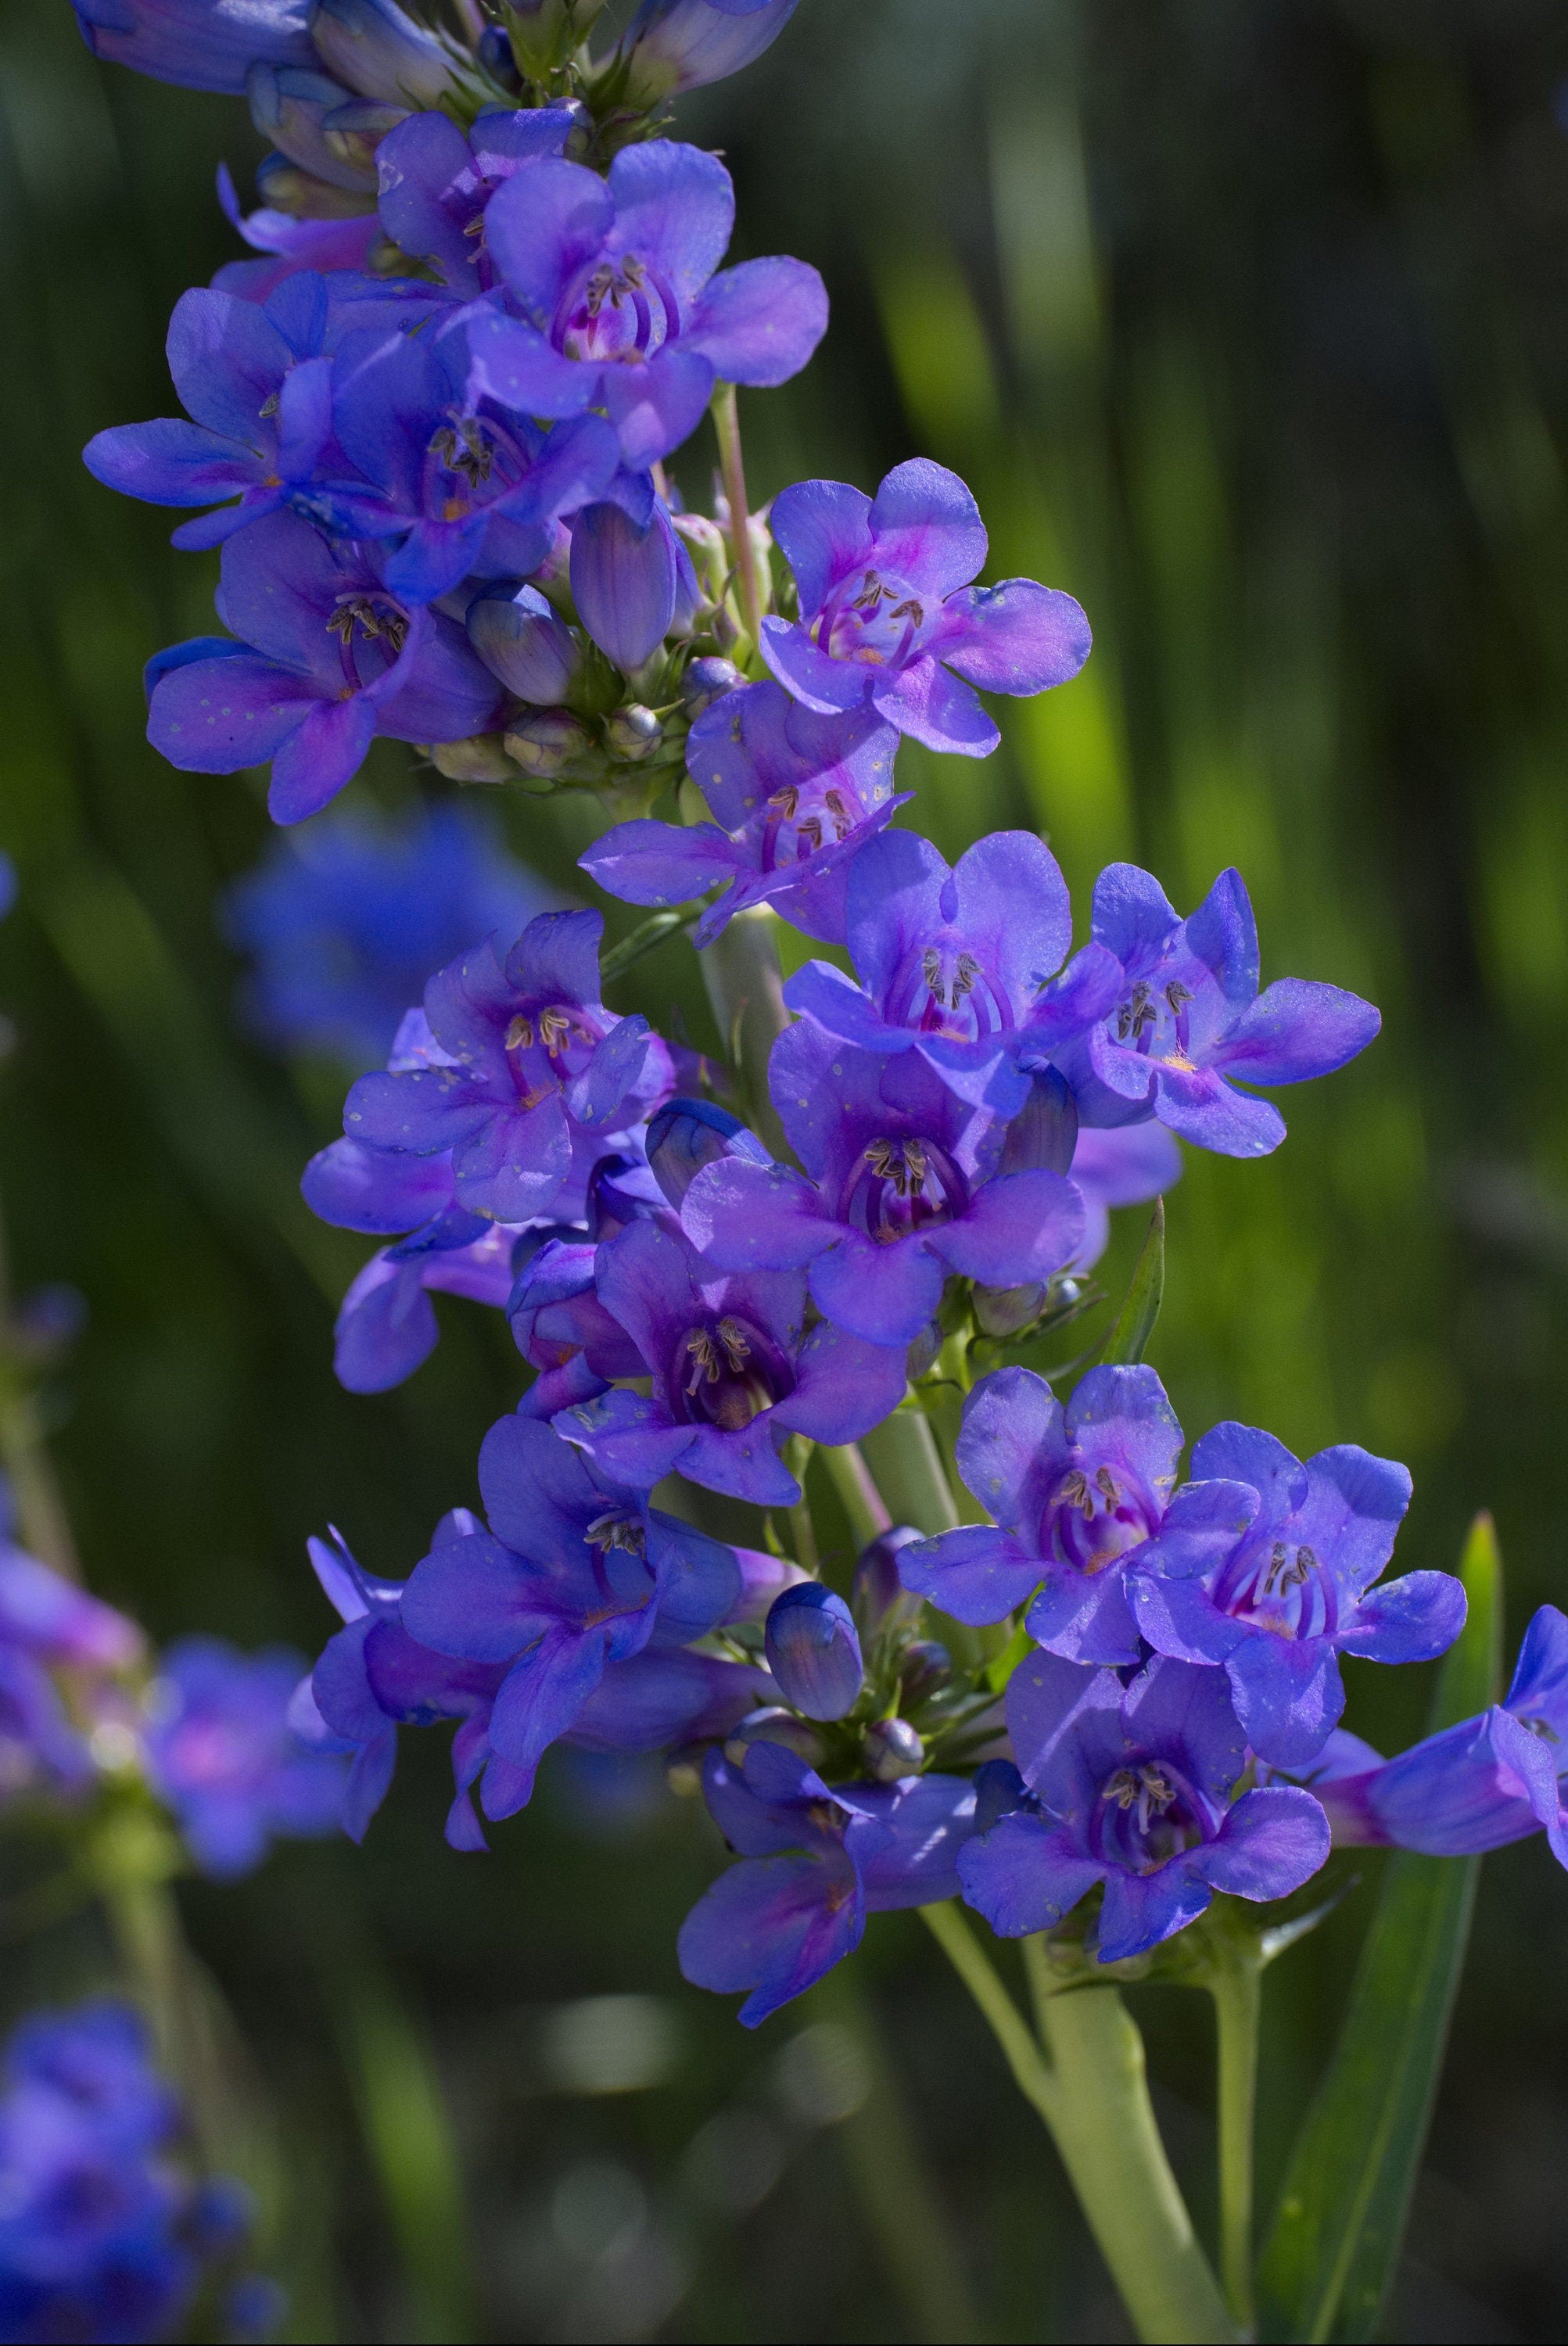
{"x":1247,"y":319}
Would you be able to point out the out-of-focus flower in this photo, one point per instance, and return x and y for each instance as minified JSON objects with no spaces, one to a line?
{"x":104,"y":2238}
{"x":222,"y":1753}
{"x":349,"y":915}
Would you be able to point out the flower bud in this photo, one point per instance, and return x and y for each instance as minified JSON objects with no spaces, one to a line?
{"x":290,"y":107}
{"x":544,"y":32}
{"x":688,"y":1134}
{"x":521,"y":641}
{"x":892,"y":1749}
{"x":813,"y":1651}
{"x":876,"y":1592}
{"x":495,"y":56}
{"x":480,"y":758}
{"x":926,"y":1669}
{"x":353,"y":132}
{"x":922,"y":1352}
{"x":1003,"y":1310}
{"x":633,"y":732}
{"x":676,"y":45}
{"x":382,"y":53}
{"x":545,"y":743}
{"x":772,"y":1725}
{"x":705,"y":681}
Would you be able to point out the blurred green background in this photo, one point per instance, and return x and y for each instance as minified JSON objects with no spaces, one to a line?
{"x":1248,"y":321}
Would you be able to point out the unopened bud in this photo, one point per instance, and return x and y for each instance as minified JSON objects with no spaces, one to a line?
{"x":633,"y":732}
{"x":293,"y":108}
{"x":772,"y":1725}
{"x":380,"y":52}
{"x":926,"y":1669}
{"x":546,"y":742}
{"x":480,"y":758}
{"x":1003,"y":1310}
{"x":877,"y":1593}
{"x":687,"y":1134}
{"x":495,"y":56}
{"x":892,"y":1750}
{"x":521,"y":641}
{"x":705,"y":681}
{"x":813,"y":1651}
{"x":922,"y":1352}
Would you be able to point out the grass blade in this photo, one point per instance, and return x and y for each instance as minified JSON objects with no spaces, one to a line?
{"x":1330,"y":2259}
{"x":1128,"y":1340}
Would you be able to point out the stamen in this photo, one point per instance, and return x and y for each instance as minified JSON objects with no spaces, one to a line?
{"x":736,"y":1350}
{"x":519,"y":1035}
{"x":553,"y":1029}
{"x":1105,"y":1483}
{"x":611,"y":1530}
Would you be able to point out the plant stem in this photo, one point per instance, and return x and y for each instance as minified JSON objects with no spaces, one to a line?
{"x":1087,"y":2081}
{"x":731,"y":465}
{"x":746,"y":991}
{"x":860,"y":1499}
{"x":798,"y":1457}
{"x":1235,"y":1984}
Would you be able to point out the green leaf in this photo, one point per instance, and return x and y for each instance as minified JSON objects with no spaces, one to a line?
{"x":641,"y":941}
{"x":1001,"y":1667}
{"x":1128,"y":1340}
{"x":1326,"y":2269}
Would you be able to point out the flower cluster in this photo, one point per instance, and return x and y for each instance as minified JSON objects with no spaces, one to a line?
{"x":429,"y":431}
{"x":104,"y":2235}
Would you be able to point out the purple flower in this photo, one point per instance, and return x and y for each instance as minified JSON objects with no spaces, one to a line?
{"x":816,"y":1859}
{"x":1130,"y":1788}
{"x":561,"y":1329}
{"x":254,"y":381}
{"x":619,"y":305}
{"x":677,"y":45}
{"x":1277,"y":1604}
{"x":794,"y":796}
{"x":372,"y":1677}
{"x":435,"y":184}
{"x":1477,"y":1786}
{"x":327,"y":657}
{"x":291,"y":245}
{"x":576,"y":1571}
{"x":460,"y":485}
{"x":199,"y":44}
{"x":889,"y":617}
{"x":900,"y":1187}
{"x":530,"y":1072}
{"x":960,"y":965}
{"x":103,"y":2237}
{"x":733,"y":1373}
{"x":1077,"y":1493}
{"x":1190,"y":1024}
{"x":386,"y":1327}
{"x":221,"y":1753}
{"x":349,"y":915}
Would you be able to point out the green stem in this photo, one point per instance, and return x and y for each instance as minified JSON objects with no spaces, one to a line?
{"x":858,"y":1493}
{"x":726,"y":423}
{"x":1088,"y":2083}
{"x":746,"y":991}
{"x":802,"y":1530}
{"x":1235,"y":1983}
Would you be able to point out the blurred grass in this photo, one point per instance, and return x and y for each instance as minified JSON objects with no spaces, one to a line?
{"x":1250,"y":326}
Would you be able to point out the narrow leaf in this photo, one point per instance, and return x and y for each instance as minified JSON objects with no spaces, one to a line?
{"x":1128,"y":1340}
{"x":1330,"y":2256}
{"x":641,"y":942}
